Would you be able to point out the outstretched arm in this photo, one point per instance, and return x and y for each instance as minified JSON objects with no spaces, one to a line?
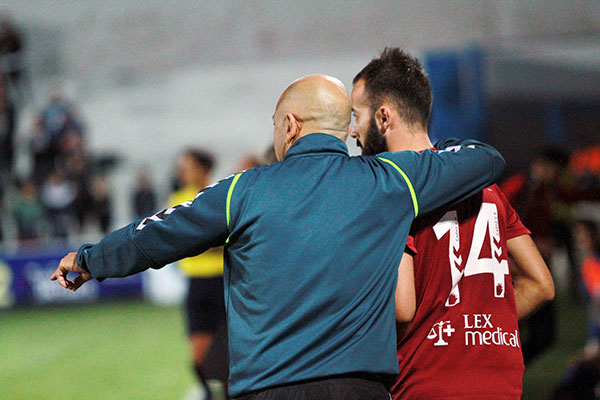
{"x":182,"y":231}
{"x":532,"y":280}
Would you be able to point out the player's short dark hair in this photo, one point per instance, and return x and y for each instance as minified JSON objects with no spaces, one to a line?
{"x":398,"y":77}
{"x":202,"y":158}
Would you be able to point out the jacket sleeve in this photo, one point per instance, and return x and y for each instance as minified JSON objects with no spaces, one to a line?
{"x":455,"y":172}
{"x":182,"y":231}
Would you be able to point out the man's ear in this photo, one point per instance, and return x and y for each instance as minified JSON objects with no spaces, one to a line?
{"x":292,"y":128}
{"x":383,"y":118}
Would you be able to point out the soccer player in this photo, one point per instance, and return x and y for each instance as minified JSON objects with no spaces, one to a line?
{"x":311,"y":249}
{"x":204,"y":303}
{"x":463,"y":342}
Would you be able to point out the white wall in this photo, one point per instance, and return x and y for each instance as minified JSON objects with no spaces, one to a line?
{"x":113,"y":40}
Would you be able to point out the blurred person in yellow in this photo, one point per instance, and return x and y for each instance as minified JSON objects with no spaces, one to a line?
{"x":204,"y":303}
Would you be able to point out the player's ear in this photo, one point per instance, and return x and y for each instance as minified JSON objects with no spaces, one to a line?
{"x":292,"y":128}
{"x":383,"y":118}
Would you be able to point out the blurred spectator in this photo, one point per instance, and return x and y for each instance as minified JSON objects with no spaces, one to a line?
{"x":101,"y":202}
{"x":58,"y":196}
{"x":585,"y":164}
{"x":588,"y":246}
{"x":11,"y":50}
{"x":534,"y":195}
{"x":248,"y":161}
{"x":144,"y":198}
{"x":7,"y":130}
{"x":252,"y":161}
{"x":57,"y":133}
{"x":79,"y":171}
{"x":7,"y":139}
{"x":27,"y":212}
{"x":586,"y":160}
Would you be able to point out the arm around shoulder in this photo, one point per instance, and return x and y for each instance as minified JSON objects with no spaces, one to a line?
{"x":454,"y":173}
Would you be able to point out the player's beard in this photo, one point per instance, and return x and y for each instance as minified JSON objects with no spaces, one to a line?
{"x":375,"y":142}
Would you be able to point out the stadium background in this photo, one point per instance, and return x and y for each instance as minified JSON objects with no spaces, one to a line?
{"x":148,"y":79}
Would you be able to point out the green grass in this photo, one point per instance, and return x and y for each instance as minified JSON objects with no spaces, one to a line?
{"x":135,"y":350}
{"x":108,"y":351}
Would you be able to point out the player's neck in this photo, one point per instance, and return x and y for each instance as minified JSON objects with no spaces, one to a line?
{"x":408,"y":139}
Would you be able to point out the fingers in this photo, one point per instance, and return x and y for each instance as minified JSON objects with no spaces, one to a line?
{"x":60,"y":275}
{"x":80,"y":280}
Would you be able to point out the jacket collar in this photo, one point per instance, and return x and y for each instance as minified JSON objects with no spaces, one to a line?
{"x":317,"y":143}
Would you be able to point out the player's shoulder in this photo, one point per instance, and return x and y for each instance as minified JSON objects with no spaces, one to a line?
{"x":493,"y":194}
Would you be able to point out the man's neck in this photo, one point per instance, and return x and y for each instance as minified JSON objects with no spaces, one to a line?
{"x":408,"y":139}
{"x":342,"y":135}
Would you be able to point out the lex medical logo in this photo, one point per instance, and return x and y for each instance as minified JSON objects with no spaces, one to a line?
{"x":478,"y":330}
{"x":441,"y":330}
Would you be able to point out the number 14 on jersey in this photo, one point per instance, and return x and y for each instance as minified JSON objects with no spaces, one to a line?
{"x":486,"y":222}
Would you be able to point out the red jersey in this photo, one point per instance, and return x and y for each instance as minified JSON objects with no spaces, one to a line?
{"x":463,"y":342}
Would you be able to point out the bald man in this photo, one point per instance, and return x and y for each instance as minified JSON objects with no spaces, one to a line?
{"x":311,"y":249}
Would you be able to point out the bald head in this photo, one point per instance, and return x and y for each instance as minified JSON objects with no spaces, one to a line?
{"x":320,"y":102}
{"x":314,"y":103}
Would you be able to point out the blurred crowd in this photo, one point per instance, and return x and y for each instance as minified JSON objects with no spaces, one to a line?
{"x":558,"y":199}
{"x":66,"y":190}
{"x":66,"y":186}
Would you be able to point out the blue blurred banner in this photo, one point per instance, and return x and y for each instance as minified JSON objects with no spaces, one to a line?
{"x":25,"y":279}
{"x":457,"y":79}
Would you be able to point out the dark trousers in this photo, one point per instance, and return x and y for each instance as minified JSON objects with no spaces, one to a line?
{"x":338,"y":388}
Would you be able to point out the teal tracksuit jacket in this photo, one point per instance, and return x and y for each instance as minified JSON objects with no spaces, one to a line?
{"x":312,"y":247}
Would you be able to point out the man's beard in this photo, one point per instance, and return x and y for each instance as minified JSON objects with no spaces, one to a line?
{"x":375,"y":142}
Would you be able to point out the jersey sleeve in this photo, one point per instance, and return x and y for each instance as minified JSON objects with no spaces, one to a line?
{"x":514,"y":226}
{"x":411,"y":247}
{"x":182,"y":231}
{"x":454,"y":173}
